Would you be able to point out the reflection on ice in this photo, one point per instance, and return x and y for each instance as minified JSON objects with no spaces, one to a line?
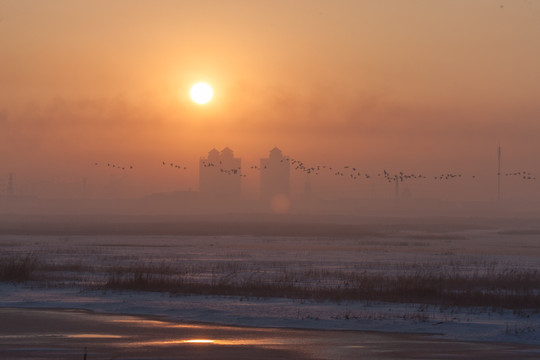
{"x":93,"y":336}
{"x":227,"y":342}
{"x":199,"y":341}
{"x":147,"y":322}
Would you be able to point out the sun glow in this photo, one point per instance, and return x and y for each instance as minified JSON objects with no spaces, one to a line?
{"x":201,"y":93}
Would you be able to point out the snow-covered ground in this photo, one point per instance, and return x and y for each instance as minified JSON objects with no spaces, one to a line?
{"x":84,"y":260}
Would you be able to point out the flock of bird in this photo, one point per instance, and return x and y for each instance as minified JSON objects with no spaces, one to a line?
{"x":230,"y":171}
{"x":525,"y":175}
{"x":174,"y":166}
{"x":347,"y":171}
{"x":354,"y":174}
{"x":115,"y":166}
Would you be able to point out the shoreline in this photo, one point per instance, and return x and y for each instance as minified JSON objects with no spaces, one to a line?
{"x":165,"y":319}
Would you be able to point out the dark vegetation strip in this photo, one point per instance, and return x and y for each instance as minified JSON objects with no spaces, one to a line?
{"x":18,"y":269}
{"x":507,"y":289}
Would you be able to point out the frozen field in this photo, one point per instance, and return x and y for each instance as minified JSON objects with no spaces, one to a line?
{"x":312,"y":281}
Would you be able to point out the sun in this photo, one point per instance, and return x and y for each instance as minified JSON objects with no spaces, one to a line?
{"x":201,"y":93}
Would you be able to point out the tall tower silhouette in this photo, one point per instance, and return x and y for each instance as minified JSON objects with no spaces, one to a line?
{"x":220,"y":173}
{"x":275,"y":175}
{"x":499,"y":172}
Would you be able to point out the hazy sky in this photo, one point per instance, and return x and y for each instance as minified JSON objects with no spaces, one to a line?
{"x":414,"y":86}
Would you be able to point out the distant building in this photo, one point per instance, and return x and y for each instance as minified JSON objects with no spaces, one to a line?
{"x":275,"y":175}
{"x":220,"y":173}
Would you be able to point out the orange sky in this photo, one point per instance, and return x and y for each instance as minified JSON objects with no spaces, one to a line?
{"x":418,"y":86}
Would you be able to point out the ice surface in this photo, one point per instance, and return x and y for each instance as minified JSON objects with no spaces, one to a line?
{"x":85,"y":261}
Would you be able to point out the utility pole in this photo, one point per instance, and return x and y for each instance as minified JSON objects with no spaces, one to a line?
{"x":10,"y":185}
{"x":396,"y":180}
{"x":499,"y":172}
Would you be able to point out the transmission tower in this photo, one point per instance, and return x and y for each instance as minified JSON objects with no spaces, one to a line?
{"x":499,"y":173}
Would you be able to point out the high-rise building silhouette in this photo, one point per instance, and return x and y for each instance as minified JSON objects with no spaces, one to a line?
{"x":220,"y":173}
{"x":275,"y":175}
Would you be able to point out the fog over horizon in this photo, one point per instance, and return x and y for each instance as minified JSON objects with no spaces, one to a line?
{"x":102,"y":166}
{"x":387,"y":88}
